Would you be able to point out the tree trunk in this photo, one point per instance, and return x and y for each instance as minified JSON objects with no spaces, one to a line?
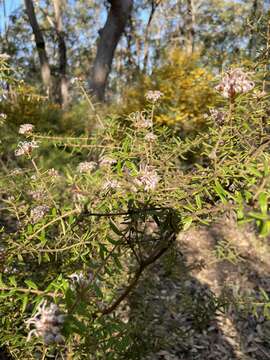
{"x":62,"y":50}
{"x":253,"y":17}
{"x":109,"y":37}
{"x":154,"y":5}
{"x":190,"y":27}
{"x":40,"y":44}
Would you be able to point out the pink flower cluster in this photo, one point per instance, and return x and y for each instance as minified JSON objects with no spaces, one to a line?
{"x":38,"y":212}
{"x":38,"y":194}
{"x":47,"y":322}
{"x":25,"y":148}
{"x":79,"y":280}
{"x":26,"y":129}
{"x":111,"y":185}
{"x":151,"y":137}
{"x":107,"y":161}
{"x":86,"y":166}
{"x":141,"y":121}
{"x":234,"y":82}
{"x":218,"y":115}
{"x":147,"y":178}
{"x":153,"y":95}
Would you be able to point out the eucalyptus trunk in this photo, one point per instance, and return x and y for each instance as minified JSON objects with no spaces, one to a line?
{"x":110,"y":35}
{"x":40,"y":45}
{"x":62,"y":51}
{"x":190,"y":27}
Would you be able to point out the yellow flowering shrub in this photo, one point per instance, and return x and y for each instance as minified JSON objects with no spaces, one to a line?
{"x":23,"y":104}
{"x":187,"y":90}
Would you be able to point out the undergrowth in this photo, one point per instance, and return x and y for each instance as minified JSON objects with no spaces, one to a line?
{"x":83,"y":216}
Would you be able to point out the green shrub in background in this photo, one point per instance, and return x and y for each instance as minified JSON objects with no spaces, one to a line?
{"x":75,"y":240}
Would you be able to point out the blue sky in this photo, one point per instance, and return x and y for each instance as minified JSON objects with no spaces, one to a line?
{"x":10,"y":6}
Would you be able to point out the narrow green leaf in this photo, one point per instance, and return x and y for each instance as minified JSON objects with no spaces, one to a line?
{"x":263,"y":202}
{"x":254,"y":171}
{"x":265,"y":230}
{"x":12,"y":280}
{"x":258,"y":216}
{"x":2,"y":284}
{"x":198,"y":201}
{"x":187,"y":222}
{"x":31,"y":284}
{"x":24,"y":302}
{"x":114,"y":228}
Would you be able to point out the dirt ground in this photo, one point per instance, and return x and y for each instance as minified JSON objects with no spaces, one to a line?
{"x":181,"y":308}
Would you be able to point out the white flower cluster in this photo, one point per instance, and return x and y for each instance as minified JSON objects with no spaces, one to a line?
{"x":151,"y":137}
{"x":53,"y":173}
{"x":38,"y":194}
{"x":2,"y":118}
{"x":47,"y":322}
{"x":111,"y":185}
{"x":79,"y":280}
{"x":153,"y":95}
{"x":78,"y":195}
{"x":17,"y":172}
{"x":25,"y":147}
{"x":4,"y":57}
{"x":39,"y":212}
{"x":26,"y":129}
{"x":218,"y":116}
{"x":140,"y":121}
{"x":74,"y":80}
{"x":107,"y":161}
{"x":86,"y":166}
{"x":234,"y":82}
{"x":147,"y":178}
{"x":2,"y":253}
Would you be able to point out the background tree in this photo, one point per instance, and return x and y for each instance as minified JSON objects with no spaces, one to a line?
{"x":62,"y":52}
{"x":118,"y":16}
{"x":137,"y":45}
{"x":40,"y":44}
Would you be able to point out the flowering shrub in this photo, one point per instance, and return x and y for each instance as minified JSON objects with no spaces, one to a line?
{"x":76,"y":240}
{"x":185,"y":88}
{"x":233,"y":83}
{"x":47,"y":322}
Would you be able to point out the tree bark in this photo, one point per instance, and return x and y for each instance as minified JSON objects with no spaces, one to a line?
{"x":62,"y":51}
{"x":253,"y":34}
{"x":109,"y":37}
{"x":40,"y":44}
{"x":154,"y":5}
{"x":190,"y":27}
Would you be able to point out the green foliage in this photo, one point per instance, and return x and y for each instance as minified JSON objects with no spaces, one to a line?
{"x":81,"y":238}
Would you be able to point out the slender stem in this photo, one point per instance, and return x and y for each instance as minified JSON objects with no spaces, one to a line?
{"x":74,"y":211}
{"x":86,"y":146}
{"x":150,"y":260}
{"x":44,"y":353}
{"x":60,"y":138}
{"x":31,"y":291}
{"x":91,"y":105}
{"x":43,"y":182}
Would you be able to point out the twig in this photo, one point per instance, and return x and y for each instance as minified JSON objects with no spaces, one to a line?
{"x":31,"y":291}
{"x":137,"y":276}
{"x":59,"y":218}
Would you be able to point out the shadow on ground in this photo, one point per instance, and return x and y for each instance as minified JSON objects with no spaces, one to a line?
{"x":180,"y":308}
